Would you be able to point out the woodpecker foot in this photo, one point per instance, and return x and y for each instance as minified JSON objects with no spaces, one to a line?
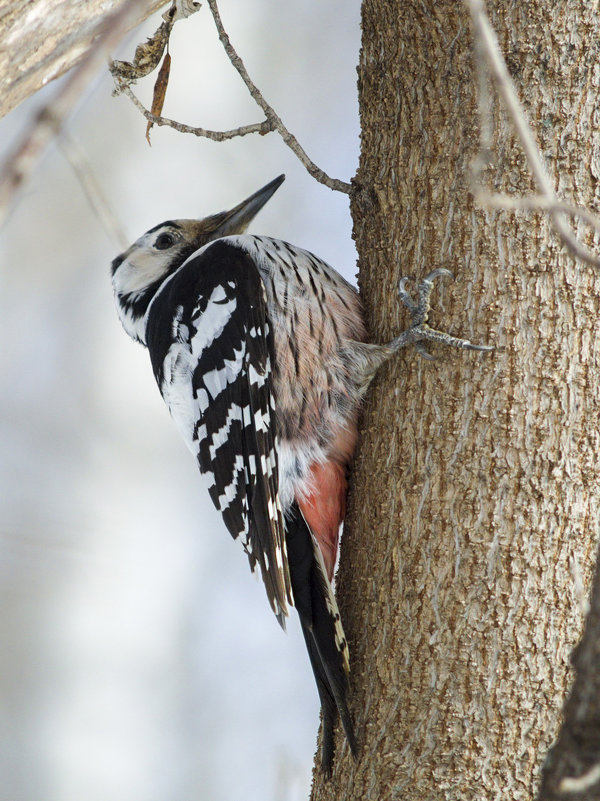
{"x":420,"y":332}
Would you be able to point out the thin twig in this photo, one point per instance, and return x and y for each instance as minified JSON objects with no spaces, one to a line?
{"x":536,"y":203}
{"x":78,"y":160}
{"x":288,"y":138}
{"x":579,"y":784}
{"x":49,"y":120}
{"x":490,"y":48}
{"x":263,"y":127}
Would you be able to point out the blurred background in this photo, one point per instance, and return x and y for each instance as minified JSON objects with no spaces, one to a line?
{"x":139,"y":660}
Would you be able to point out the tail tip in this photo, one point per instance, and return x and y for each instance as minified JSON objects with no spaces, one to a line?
{"x":327,"y":748}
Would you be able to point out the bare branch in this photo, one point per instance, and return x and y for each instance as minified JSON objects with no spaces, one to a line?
{"x":490,"y":49}
{"x":78,"y":160}
{"x":217,"y":136}
{"x":49,"y":120}
{"x":536,"y":203}
{"x":125,"y":73}
{"x":288,"y":138}
{"x":39,"y":43}
{"x":579,"y":784}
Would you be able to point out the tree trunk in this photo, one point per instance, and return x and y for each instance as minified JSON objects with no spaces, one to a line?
{"x":471,"y":529}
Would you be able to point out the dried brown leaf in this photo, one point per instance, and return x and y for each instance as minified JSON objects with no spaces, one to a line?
{"x":160,"y":91}
{"x":148,"y":55}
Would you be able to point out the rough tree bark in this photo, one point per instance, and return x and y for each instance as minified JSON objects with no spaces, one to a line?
{"x":470,"y":538}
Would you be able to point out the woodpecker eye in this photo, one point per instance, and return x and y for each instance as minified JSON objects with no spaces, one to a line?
{"x":164,"y":241}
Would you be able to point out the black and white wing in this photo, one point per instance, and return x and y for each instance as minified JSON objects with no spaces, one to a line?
{"x":211,"y":347}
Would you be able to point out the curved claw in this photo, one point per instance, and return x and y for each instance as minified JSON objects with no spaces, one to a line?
{"x":404,"y":295}
{"x":485,"y":348}
{"x":420,"y":332}
{"x":430,"y":277}
{"x":402,"y":283}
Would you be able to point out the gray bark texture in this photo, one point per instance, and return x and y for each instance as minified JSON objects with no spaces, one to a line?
{"x":42,"y":39}
{"x":472,"y":523}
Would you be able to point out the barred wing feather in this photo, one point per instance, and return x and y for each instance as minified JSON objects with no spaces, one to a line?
{"x":211,"y":345}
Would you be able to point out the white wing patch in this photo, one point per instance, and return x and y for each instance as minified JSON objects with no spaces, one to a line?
{"x":211,"y":322}
{"x":220,"y":437}
{"x":183,"y":356}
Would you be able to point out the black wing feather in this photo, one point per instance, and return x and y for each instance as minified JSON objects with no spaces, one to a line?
{"x":213,"y":312}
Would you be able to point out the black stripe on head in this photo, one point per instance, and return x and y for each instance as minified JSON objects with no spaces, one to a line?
{"x":136,"y":303}
{"x":170,"y":223}
{"x":116,"y":263}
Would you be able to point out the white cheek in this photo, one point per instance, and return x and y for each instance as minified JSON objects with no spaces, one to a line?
{"x":141,"y":270}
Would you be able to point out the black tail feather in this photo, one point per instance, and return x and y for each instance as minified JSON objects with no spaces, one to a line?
{"x":321,"y":626}
{"x":328,"y":706}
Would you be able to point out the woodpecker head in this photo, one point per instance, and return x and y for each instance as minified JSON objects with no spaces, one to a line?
{"x":139,"y":272}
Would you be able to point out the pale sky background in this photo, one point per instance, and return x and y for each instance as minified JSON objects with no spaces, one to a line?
{"x":139,"y":659}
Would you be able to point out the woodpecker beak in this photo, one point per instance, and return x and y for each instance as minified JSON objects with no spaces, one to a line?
{"x":237,"y":220}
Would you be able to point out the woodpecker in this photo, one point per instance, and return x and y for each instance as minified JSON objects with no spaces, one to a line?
{"x":259,"y":351}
